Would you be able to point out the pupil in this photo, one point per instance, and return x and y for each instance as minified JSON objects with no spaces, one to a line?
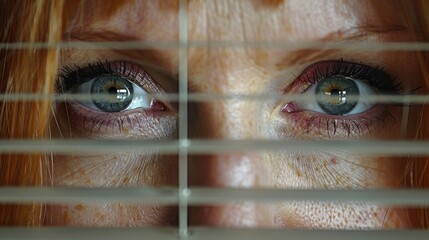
{"x":113,"y":90}
{"x":335,"y":93}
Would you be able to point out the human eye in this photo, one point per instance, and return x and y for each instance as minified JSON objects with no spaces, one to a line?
{"x":112,"y":97}
{"x":335,"y":97}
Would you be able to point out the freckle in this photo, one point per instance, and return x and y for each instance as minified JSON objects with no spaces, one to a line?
{"x":79,"y":207}
{"x":325,"y":163}
{"x":100,"y":217}
{"x":298,"y":173}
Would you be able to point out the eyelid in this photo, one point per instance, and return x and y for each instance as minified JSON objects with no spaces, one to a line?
{"x":70,"y":77}
{"x":373,"y":76}
{"x":145,"y":77}
{"x":326,"y":126}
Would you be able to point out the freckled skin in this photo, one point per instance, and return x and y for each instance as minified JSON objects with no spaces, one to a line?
{"x":247,"y":71}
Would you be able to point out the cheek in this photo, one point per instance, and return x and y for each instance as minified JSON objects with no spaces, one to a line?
{"x":338,"y":216}
{"x":335,"y":170}
{"x":113,"y":170}
{"x":116,"y":170}
{"x":110,"y":215}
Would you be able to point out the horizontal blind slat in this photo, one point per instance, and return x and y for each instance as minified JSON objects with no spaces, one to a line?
{"x":87,"y":233}
{"x":286,"y":45}
{"x":280,"y":234}
{"x":208,"y":196}
{"x":210,"y":97}
{"x":201,"y":233}
{"x":204,"y":146}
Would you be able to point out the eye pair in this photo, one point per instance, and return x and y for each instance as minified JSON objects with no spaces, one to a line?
{"x":333,"y":87}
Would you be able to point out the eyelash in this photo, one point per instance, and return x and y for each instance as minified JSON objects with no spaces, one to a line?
{"x":70,"y":77}
{"x":374,"y":76}
{"x":328,"y":126}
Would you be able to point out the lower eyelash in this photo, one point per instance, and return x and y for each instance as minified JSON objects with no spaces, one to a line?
{"x":326,"y":126}
{"x":139,"y":123}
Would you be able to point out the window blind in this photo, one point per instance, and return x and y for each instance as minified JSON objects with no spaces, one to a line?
{"x":184,"y":196}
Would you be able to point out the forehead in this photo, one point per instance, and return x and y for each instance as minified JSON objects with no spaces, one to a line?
{"x":235,"y":21}
{"x":289,"y":20}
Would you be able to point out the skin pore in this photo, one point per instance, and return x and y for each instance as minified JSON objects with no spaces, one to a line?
{"x":236,"y":70}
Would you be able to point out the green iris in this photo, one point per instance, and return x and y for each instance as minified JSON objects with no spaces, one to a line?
{"x":118,"y":93}
{"x":332,"y":95}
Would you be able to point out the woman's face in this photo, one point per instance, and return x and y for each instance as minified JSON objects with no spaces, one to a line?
{"x":219,"y":63}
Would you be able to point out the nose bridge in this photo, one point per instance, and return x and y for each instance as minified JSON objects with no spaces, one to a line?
{"x":232,"y":170}
{"x":227,"y":119}
{"x":239,"y":170}
{"x":217,"y":73}
{"x":222,"y":120}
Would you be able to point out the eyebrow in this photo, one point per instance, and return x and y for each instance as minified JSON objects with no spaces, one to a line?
{"x":358,"y":33}
{"x":365,"y":30}
{"x":268,"y":4}
{"x":153,"y":55}
{"x":103,"y":35}
{"x":297,"y":57}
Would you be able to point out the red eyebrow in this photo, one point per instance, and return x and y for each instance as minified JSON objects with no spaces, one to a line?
{"x":302,"y":56}
{"x":269,"y":4}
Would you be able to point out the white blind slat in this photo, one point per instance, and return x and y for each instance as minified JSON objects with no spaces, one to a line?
{"x":81,"y":146}
{"x":209,"y":196}
{"x":284,"y":45}
{"x":200,"y":233}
